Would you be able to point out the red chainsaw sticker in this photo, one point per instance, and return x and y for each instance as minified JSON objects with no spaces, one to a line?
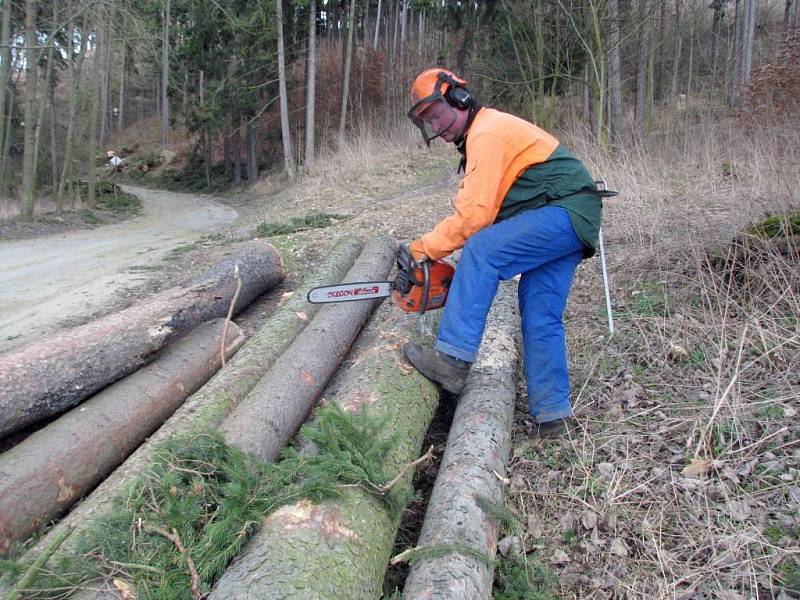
{"x":353,"y":292}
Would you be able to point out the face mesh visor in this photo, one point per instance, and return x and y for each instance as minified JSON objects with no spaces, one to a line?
{"x":432,"y":116}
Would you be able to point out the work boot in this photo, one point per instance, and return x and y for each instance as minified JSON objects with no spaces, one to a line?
{"x":553,"y":429}
{"x":447,"y":371}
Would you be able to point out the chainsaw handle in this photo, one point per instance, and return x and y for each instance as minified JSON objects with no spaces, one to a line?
{"x":426,"y":287}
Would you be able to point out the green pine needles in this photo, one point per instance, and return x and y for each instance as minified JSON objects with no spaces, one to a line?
{"x":175,"y":529}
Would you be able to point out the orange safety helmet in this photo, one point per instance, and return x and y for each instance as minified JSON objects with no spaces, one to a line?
{"x":437,"y":85}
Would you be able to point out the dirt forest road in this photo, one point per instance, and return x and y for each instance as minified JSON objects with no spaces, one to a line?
{"x":46,"y":283}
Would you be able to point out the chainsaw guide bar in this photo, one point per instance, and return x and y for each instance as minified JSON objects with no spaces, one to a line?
{"x":347,"y":292}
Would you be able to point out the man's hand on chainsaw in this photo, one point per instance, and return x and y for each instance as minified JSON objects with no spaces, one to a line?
{"x":417,"y":254}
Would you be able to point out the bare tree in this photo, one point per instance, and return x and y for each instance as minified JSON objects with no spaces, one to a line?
{"x":377,"y":26}
{"x":311,"y":81}
{"x":121,"y":104}
{"x":165,"y":76}
{"x":5,"y":71}
{"x":719,"y":14}
{"x":347,"y":63}
{"x":28,"y":157}
{"x":614,"y":80}
{"x":95,"y":103}
{"x":642,"y":69}
{"x":288,"y":158}
{"x":74,"y":69}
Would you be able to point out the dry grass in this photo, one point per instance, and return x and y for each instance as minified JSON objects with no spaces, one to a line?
{"x":683,"y":479}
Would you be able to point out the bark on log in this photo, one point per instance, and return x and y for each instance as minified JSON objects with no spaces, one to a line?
{"x":45,"y":474}
{"x":55,"y":374}
{"x":265,"y":420}
{"x":476,"y":456}
{"x":206,"y":409}
{"x":340,"y":549}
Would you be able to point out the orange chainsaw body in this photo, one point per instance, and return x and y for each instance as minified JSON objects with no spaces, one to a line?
{"x":440,"y":274}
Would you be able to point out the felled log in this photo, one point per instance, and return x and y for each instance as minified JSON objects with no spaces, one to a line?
{"x":476,"y":457}
{"x":281,"y":401}
{"x":208,"y":407}
{"x":340,"y":548}
{"x":57,"y":373}
{"x":46,"y":473}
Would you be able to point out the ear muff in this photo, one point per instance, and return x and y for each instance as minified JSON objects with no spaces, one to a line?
{"x":456,"y":94}
{"x":459,"y":97}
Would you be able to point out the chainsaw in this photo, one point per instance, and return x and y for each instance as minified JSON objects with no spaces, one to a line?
{"x":417,"y":287}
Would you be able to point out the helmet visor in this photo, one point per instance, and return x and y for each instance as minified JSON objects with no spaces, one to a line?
{"x":432,"y":116}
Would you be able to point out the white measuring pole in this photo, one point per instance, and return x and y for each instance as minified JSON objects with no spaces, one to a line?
{"x":605,"y":282}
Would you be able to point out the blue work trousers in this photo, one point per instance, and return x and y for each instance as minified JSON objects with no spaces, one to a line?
{"x":542,"y":246}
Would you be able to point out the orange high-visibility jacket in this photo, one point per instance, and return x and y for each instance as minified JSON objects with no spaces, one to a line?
{"x":500,"y":147}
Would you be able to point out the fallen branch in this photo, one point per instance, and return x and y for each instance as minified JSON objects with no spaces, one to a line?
{"x":175,"y":539}
{"x":230,"y":314}
{"x":408,"y":467}
{"x":44,"y":556}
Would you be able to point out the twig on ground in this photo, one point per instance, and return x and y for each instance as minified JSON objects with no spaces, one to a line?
{"x":383,"y":489}
{"x":230,"y":313}
{"x":30,"y":574}
{"x":175,"y":539}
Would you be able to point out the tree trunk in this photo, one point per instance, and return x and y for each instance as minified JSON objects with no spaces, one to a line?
{"x":105,"y":75}
{"x":237,"y":154}
{"x":44,"y":98}
{"x":121,"y":105}
{"x":281,"y":401}
{"x":206,"y":409}
{"x":73,"y":82}
{"x":401,"y":61}
{"x":311,"y":82}
{"x":29,"y":158}
{"x":736,"y":71}
{"x":676,"y":60}
{"x":719,"y":12}
{"x":377,"y":27}
{"x":351,"y":18}
{"x":252,"y":167}
{"x":51,"y":469}
{"x":55,"y":374}
{"x":53,"y":139}
{"x":95,"y":91}
{"x":641,"y":70}
{"x":614,"y":80}
{"x":226,"y":148}
{"x":165,"y":76}
{"x":286,"y":134}
{"x":477,"y":452}
{"x":750,"y":7}
{"x":5,"y":73}
{"x":340,"y":548}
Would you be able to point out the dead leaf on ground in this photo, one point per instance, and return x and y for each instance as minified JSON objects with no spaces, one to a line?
{"x":124,"y":588}
{"x":535,"y":527}
{"x":589,"y":519}
{"x":697,"y":468}
{"x":739,"y":510}
{"x":618,"y":548}
{"x":560,"y":557}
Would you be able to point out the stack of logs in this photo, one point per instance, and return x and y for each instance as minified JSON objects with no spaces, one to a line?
{"x":258,"y":399}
